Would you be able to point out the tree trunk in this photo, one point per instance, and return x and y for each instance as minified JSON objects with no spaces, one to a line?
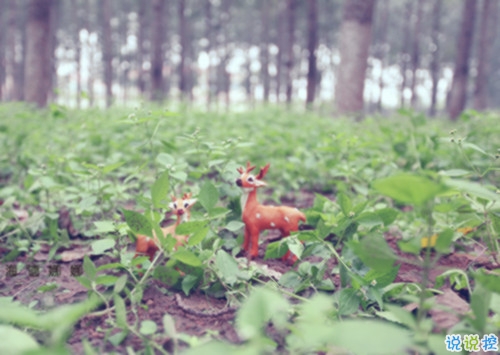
{"x":289,"y":60}
{"x":3,"y":30}
{"x":415,"y":54}
{"x":107,"y":50}
{"x":184,"y":50}
{"x":157,"y":87}
{"x":486,"y":38}
{"x":208,"y":32}
{"x":355,"y":39}
{"x":265,"y":8}
{"x":38,"y":56}
{"x":312,"y":43}
{"x":434,"y":66}
{"x":458,"y":93}
{"x":405,"y":52}
{"x":382,"y":48}
{"x":78,"y":50}
{"x":280,"y":42}
{"x":141,"y":48}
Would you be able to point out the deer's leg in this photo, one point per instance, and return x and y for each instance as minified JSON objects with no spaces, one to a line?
{"x":246,"y":238}
{"x":254,"y":242}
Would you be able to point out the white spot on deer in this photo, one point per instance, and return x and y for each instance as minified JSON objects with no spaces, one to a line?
{"x":272,"y":224}
{"x":257,"y":215}
{"x":287,"y":219}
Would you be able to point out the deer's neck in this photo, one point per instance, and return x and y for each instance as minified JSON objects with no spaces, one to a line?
{"x":182,"y":218}
{"x":248,"y":198}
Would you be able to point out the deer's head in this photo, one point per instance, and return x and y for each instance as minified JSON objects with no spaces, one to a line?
{"x":181,"y":206}
{"x":247,"y":180}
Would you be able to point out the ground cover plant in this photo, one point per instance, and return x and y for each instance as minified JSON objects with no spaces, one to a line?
{"x":403,"y":252}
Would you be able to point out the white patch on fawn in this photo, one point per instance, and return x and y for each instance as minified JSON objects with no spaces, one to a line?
{"x":287,"y":219}
{"x":257,"y":215}
{"x":243,"y":199}
{"x":272,"y":224}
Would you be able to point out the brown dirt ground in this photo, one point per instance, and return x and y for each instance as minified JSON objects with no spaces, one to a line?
{"x":199,"y":315}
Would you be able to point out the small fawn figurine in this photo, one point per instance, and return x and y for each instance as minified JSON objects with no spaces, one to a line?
{"x":257,"y":217}
{"x":181,"y":208}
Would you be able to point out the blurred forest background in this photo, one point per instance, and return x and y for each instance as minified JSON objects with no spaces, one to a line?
{"x":353,"y":56}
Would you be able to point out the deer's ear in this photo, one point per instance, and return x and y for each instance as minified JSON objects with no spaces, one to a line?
{"x":192,"y":201}
{"x":263,"y":171}
{"x":260,"y":183}
{"x":171,"y":206}
{"x":172,"y":197}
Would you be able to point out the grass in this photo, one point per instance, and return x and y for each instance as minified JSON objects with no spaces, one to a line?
{"x":114,"y":170}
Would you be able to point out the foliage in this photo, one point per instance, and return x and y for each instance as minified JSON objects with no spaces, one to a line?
{"x":116,"y":171}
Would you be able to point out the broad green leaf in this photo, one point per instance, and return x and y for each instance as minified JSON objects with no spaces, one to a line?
{"x":89,"y":268}
{"x":234,"y":226}
{"x":109,"y":168}
{"x":454,"y":172}
{"x":444,"y":240}
{"x":490,"y":281}
{"x":101,"y":245}
{"x":480,"y":305}
{"x":208,"y":195}
{"x":406,"y":188}
{"x":388,"y":215}
{"x":370,"y":337}
{"x":188,"y":282}
{"x":190,"y":227}
{"x":276,"y":250}
{"x":104,"y":227}
{"x":138,"y":223}
{"x":159,"y":190}
{"x":165,"y":159}
{"x":148,"y":327}
{"x":169,"y":326}
{"x":473,"y":189}
{"x":348,"y":300}
{"x":198,"y":236}
{"x":187,"y":257}
{"x":344,"y":203}
{"x":117,"y":338}
{"x":374,"y":251}
{"x":382,"y":278}
{"x":261,"y":306}
{"x":227,"y":266}
{"x":179,"y":175}
{"x":369,"y":219}
{"x":16,"y":342}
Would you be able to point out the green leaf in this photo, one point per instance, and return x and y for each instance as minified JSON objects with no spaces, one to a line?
{"x":109,"y":168}
{"x":344,"y":203}
{"x":104,"y":227}
{"x":388,"y":215}
{"x":188,"y":282}
{"x":120,"y":311}
{"x":374,"y":251}
{"x":169,"y":326}
{"x":159,"y":190}
{"x":198,"y":236}
{"x":187,"y":257}
{"x":101,"y":245}
{"x":117,"y":338}
{"x":490,"y":281}
{"x":473,"y":188}
{"x":148,"y":327}
{"x":106,"y":280}
{"x":276,"y":249}
{"x":444,"y":240}
{"x":234,"y":226}
{"x":480,"y":305}
{"x":348,"y":300}
{"x":382,"y":278}
{"x":138,"y":223}
{"x":120,"y":283}
{"x":208,"y":195}
{"x":227,"y":266}
{"x":369,"y":219}
{"x":15,"y":341}
{"x":89,"y":268}
{"x":369,"y":337}
{"x":406,"y":188}
{"x":261,"y":306}
{"x":189,"y":227}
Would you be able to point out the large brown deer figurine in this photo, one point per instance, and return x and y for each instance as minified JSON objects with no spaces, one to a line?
{"x":181,"y":208}
{"x":257,"y":217}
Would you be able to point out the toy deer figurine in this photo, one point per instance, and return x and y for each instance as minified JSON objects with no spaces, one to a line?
{"x":258,"y":217}
{"x":181,"y":207}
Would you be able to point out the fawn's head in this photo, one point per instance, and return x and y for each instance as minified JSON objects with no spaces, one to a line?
{"x":181,"y":206}
{"x":248,"y":180}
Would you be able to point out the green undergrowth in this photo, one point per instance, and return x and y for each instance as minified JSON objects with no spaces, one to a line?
{"x":114,"y":171}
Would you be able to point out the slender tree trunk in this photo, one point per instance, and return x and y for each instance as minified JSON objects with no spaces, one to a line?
{"x":312,"y":43}
{"x":405,"y":55}
{"x":208,"y":32}
{"x":157,"y":86}
{"x":280,"y":41}
{"x":91,"y":72}
{"x":291,"y":39}
{"x":184,"y":49}
{"x":486,"y":37}
{"x":52,"y":73}
{"x":355,"y":39}
{"x":78,"y":50}
{"x":3,"y":30}
{"x":141,"y":48}
{"x":382,"y":48}
{"x":458,"y":93}
{"x":434,"y":66}
{"x":415,"y":54}
{"x":38,"y":52}
{"x":107,"y":50}
{"x":265,"y":8}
